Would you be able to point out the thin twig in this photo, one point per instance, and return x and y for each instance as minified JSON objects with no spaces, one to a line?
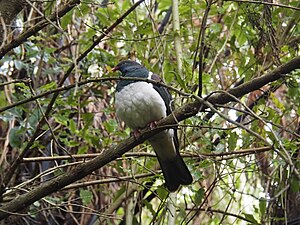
{"x":40,"y":25}
{"x":40,"y":175}
{"x":225,"y":213}
{"x":265,"y":3}
{"x":41,"y":123}
{"x":45,"y":17}
{"x":110,"y":180}
{"x":148,"y":154}
{"x":81,"y":83}
{"x":48,"y":124}
{"x":189,"y":110}
{"x":224,"y":44}
{"x":25,"y":81}
{"x":201,"y":46}
{"x":286,"y":157}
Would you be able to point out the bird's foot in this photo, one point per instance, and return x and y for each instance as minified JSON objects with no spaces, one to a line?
{"x":136,"y":133}
{"x":152,"y":125}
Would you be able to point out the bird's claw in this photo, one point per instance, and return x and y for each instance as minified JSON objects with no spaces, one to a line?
{"x":136,"y":133}
{"x":152,"y":125}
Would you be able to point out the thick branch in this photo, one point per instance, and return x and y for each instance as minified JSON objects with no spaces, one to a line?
{"x":192,"y":109}
{"x":17,"y":161}
{"x":182,"y":113}
{"x":258,"y":82}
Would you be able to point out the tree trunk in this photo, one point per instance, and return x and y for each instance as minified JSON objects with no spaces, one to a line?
{"x":8,"y":12}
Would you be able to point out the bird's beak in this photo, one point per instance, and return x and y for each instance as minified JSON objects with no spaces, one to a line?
{"x":114,"y":68}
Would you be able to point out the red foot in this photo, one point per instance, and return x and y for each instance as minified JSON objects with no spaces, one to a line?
{"x":136,"y":133}
{"x":152,"y":125}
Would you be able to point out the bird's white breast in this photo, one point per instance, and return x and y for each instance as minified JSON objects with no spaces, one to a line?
{"x":138,"y":104}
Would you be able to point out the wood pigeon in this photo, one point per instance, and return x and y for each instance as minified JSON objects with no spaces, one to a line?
{"x":140,"y":104}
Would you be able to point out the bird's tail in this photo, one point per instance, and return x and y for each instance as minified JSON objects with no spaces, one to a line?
{"x":175,"y":172}
{"x":173,"y":167}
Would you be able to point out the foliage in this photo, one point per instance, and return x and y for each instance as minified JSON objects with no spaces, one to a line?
{"x":243,"y":163}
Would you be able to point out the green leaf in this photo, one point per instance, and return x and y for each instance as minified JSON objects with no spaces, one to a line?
{"x":164,"y":4}
{"x":168,"y":77}
{"x":277,"y":102}
{"x":24,"y":89}
{"x":15,"y":137}
{"x":83,"y":149}
{"x":262,"y":206}
{"x":102,"y":16}
{"x":215,"y":28}
{"x":110,"y":125}
{"x":48,"y":86}
{"x":66,"y":20}
{"x":251,"y":218}
{"x":295,"y":185}
{"x":162,"y":192}
{"x":62,"y":119}
{"x":242,"y":38}
{"x":34,"y":117}
{"x":145,"y":28}
{"x":232,"y":140}
{"x":183,"y":9}
{"x":86,"y":196}
{"x":88,"y":119}
{"x":3,"y":101}
{"x":72,"y":126}
{"x":199,"y":195}
{"x":180,"y":81}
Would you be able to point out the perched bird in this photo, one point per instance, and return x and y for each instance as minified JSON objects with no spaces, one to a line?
{"x":140,"y":104}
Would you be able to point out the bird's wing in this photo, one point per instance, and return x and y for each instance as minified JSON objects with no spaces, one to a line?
{"x":166,"y":96}
{"x":163,"y":92}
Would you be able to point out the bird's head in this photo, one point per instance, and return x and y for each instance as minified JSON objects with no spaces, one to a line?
{"x":127,"y":66}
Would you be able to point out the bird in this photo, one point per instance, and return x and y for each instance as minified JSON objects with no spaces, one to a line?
{"x":140,"y":104}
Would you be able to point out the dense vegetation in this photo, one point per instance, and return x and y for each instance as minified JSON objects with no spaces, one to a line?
{"x":233,"y":70}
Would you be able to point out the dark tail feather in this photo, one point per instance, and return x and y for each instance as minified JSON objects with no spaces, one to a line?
{"x":176,"y":173}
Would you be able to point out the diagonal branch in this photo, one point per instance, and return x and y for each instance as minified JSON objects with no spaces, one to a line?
{"x":266,"y":3}
{"x":42,"y":122}
{"x":184,"y":112}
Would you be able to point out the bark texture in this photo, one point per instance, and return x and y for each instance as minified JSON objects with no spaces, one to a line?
{"x":8,"y":12}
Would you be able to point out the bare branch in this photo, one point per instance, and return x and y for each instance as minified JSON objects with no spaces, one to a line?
{"x":147,"y":154}
{"x":42,"y":122}
{"x":109,"y":155}
{"x":33,"y":30}
{"x":266,"y":3}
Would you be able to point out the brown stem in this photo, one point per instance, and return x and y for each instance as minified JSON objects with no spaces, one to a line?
{"x":42,"y":122}
{"x":109,"y":155}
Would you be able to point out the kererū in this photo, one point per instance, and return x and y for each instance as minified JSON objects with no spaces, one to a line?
{"x":139,"y":104}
